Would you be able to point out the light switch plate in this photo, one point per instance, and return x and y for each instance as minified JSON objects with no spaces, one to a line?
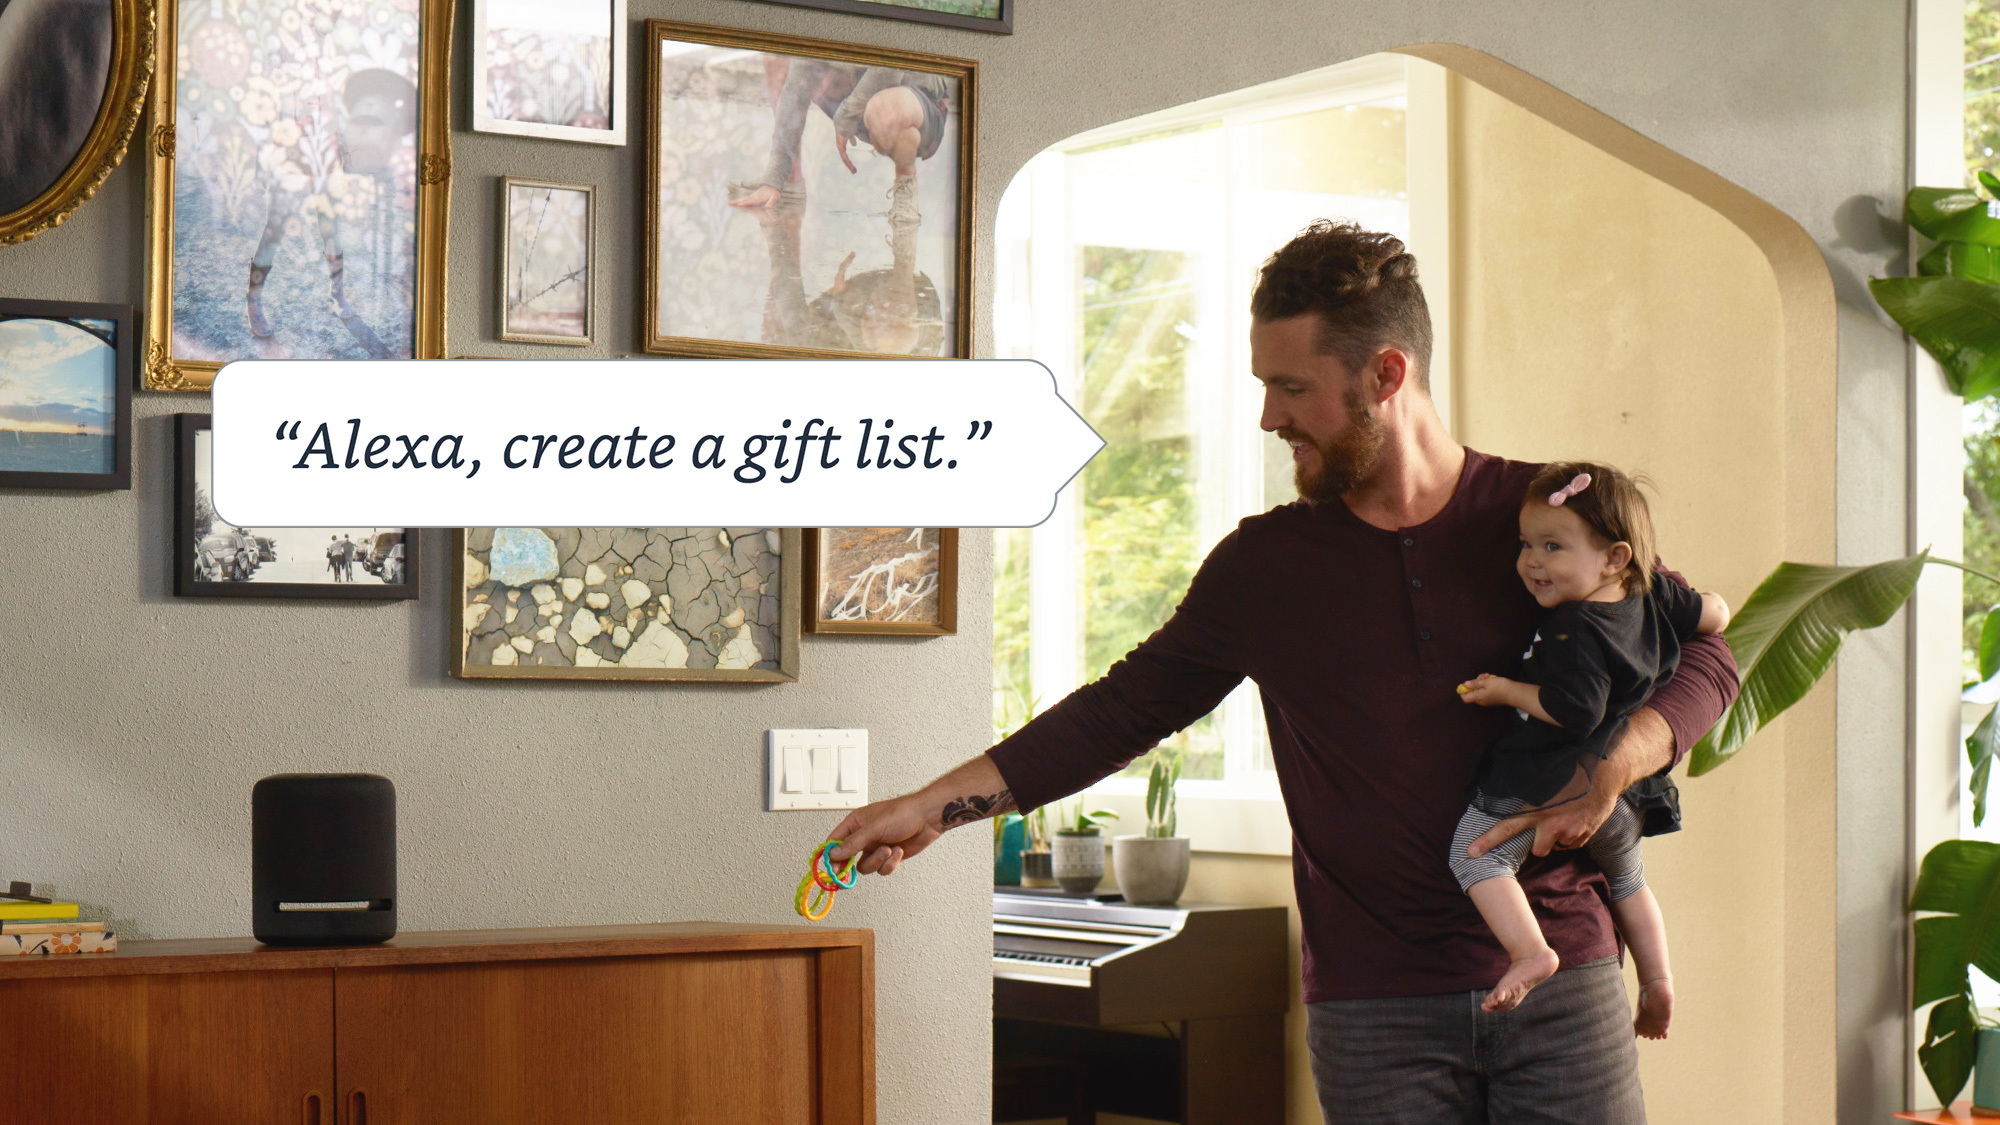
{"x":816,"y":769}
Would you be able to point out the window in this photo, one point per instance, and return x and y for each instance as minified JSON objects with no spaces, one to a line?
{"x":1126,"y":259}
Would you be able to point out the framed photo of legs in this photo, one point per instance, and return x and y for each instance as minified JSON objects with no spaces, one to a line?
{"x":298,"y":178}
{"x":885,"y":581}
{"x":214,"y":558}
{"x":806,"y":197}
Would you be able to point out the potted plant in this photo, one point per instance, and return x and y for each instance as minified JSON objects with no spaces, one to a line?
{"x":1152,"y":868}
{"x":1078,"y":854}
{"x":1037,"y":863}
{"x":1009,"y":837}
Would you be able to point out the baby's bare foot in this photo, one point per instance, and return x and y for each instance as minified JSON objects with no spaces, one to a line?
{"x":1656,"y":1008}
{"x":1523,"y":974}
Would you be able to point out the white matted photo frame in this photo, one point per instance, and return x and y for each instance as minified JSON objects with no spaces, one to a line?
{"x":548,"y":256}
{"x":806,"y":197}
{"x":626,"y":603}
{"x":214,"y":558}
{"x":550,"y":70}
{"x":882,"y":581}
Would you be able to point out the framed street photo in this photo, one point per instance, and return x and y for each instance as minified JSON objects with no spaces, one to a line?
{"x":888,"y":581}
{"x":299,"y":173}
{"x":995,"y":16}
{"x":805,"y":197}
{"x":626,"y":603}
{"x":549,"y":70}
{"x":214,"y":558}
{"x":65,"y":395}
{"x":547,"y":253}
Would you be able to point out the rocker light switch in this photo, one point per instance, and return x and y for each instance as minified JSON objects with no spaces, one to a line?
{"x":816,"y":769}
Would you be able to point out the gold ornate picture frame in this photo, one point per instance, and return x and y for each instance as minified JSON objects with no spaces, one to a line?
{"x":298,"y":185}
{"x":806,"y":197}
{"x":41,"y":206}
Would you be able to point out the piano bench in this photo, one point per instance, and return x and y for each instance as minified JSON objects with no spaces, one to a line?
{"x":1027,"y":1088}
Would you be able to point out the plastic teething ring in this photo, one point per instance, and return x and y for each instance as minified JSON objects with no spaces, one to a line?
{"x":820,"y":857}
{"x":805,"y":907}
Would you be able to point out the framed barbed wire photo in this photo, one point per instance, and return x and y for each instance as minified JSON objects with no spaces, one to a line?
{"x":549,"y":70}
{"x":299,"y":172}
{"x":547,"y":254}
{"x":626,"y":603}
{"x":214,"y":558}
{"x":805,"y":197}
{"x":887,"y":581}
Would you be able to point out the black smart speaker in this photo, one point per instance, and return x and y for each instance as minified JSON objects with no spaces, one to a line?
{"x":323,"y":859}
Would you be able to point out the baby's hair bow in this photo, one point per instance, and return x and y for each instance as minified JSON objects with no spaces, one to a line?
{"x":1576,"y":484}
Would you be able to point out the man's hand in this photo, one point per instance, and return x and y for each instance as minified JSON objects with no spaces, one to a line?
{"x":764,"y":197}
{"x":840,"y":145}
{"x":1571,"y":820}
{"x":888,"y":832}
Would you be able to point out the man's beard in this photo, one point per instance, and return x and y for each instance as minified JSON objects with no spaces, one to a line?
{"x":1345,"y":459}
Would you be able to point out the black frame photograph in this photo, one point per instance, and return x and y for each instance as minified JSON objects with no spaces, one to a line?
{"x":240,"y":552}
{"x":66,"y":378}
{"x":1002,"y":24}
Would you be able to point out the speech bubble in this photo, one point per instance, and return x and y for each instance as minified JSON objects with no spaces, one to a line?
{"x":642,"y":443}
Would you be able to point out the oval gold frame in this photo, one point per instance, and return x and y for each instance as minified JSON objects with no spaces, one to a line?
{"x":131,"y":71}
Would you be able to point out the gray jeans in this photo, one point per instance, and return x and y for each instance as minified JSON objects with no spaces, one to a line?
{"x":1564,"y":1057}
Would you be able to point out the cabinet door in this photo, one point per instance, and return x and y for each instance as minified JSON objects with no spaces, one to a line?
{"x":168,"y":1049}
{"x":711,"y":1039}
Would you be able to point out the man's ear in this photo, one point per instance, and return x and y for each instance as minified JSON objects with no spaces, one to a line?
{"x":1392,"y":373}
{"x":1619,"y":556}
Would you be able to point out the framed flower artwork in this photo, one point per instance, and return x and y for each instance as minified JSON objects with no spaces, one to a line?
{"x":555,"y":71}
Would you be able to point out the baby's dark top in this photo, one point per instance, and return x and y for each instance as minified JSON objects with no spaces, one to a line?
{"x":1596,"y":663}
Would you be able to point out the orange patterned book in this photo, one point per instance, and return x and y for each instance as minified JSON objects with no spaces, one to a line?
{"x":43,"y":945}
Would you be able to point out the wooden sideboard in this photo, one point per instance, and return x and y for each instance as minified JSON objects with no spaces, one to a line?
{"x":694,"y":1023}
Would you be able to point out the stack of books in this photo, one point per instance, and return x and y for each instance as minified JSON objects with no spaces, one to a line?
{"x":37,"y":926}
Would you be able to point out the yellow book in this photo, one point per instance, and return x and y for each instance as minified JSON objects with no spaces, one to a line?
{"x":66,"y":926}
{"x":13,"y":910}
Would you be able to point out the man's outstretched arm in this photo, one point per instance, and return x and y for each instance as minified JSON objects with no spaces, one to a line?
{"x":888,"y":832}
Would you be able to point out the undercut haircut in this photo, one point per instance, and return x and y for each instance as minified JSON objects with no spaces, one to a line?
{"x":1362,"y":284}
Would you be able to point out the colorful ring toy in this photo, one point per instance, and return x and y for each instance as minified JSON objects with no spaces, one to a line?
{"x":821,"y":882}
{"x":815,"y":908}
{"x":825,"y":860}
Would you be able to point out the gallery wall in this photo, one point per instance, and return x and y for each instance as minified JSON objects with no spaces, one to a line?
{"x":135,"y":722}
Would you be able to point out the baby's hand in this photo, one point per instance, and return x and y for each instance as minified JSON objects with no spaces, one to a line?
{"x":1488,"y":691}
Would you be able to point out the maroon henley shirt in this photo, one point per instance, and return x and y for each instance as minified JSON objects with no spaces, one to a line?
{"x":1356,"y":638}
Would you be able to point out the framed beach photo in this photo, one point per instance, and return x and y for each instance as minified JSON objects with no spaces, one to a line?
{"x":805,"y":198}
{"x":214,"y":558}
{"x":299,"y":175}
{"x":886,"y":581}
{"x":626,"y":603}
{"x":65,"y":395}
{"x":995,"y":16}
{"x":73,"y":80}
{"x":549,"y":70}
{"x":548,"y":251}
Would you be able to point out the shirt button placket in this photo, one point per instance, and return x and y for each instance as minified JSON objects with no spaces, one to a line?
{"x":1426,"y":658}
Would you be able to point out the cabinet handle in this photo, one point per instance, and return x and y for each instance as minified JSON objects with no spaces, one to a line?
{"x":309,"y":1112}
{"x":357,"y":1108}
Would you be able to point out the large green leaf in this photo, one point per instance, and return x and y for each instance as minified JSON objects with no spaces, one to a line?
{"x":1786,"y":636}
{"x":1956,"y":320}
{"x":1960,"y":880}
{"x":1951,"y":215}
{"x":1979,"y":750}
{"x":1950,"y":1044}
{"x":1968,"y":260}
{"x":1940,"y":959}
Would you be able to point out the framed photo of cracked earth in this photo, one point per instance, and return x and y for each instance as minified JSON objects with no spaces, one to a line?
{"x":214,"y":558}
{"x":805,"y":197}
{"x":627,"y":603}
{"x":885,"y":581}
{"x":299,"y":172}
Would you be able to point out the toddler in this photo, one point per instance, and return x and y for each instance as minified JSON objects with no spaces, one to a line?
{"x":1611,"y":632}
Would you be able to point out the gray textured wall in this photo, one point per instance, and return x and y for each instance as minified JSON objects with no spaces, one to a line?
{"x":133,"y":723}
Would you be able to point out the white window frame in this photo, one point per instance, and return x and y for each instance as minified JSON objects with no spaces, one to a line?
{"x":1243,"y":813}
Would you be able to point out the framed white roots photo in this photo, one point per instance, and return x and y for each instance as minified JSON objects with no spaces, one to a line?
{"x":549,"y":70}
{"x":548,"y":249}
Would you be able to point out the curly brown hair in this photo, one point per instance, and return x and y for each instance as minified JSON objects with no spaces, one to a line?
{"x":1612,"y":507}
{"x":1362,"y":284}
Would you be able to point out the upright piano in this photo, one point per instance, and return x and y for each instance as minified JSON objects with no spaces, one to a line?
{"x":1173,"y":1013}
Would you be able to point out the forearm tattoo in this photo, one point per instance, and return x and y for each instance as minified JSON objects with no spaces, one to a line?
{"x":965,"y":810}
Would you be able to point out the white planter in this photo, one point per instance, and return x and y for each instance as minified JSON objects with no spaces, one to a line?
{"x":1152,"y":870}
{"x":1078,"y":861}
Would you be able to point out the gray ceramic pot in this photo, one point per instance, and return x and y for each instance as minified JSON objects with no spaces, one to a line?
{"x":1152,"y":870}
{"x":1078,"y":860}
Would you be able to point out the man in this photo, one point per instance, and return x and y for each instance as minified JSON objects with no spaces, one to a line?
{"x":1357,"y":609}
